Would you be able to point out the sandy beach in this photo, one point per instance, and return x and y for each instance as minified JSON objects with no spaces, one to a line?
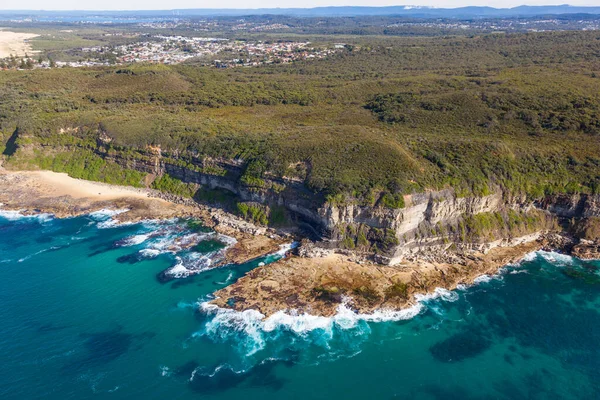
{"x":61,"y":184}
{"x":64,"y":196}
{"x":15,"y":43}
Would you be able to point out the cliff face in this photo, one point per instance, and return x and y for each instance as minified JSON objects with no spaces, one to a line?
{"x":572,"y":206}
{"x":429,"y":221}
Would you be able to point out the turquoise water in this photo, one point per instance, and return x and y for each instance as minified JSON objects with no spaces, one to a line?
{"x":83,"y":315}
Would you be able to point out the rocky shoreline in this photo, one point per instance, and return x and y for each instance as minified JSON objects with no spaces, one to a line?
{"x":31,"y":193}
{"x":316,"y":279}
{"x":317,"y":286}
{"x":316,"y":282}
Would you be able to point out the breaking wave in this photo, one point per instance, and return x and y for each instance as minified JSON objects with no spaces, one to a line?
{"x":134,"y":240}
{"x":251,"y":332}
{"x":105,"y":218}
{"x":107,"y":213}
{"x":556,"y":258}
{"x":13,"y":215}
{"x":438,"y":293}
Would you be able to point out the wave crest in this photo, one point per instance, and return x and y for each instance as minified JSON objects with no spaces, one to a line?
{"x":14,"y":215}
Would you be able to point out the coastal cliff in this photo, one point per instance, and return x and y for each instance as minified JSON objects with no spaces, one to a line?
{"x":428,"y":223}
{"x":424,"y":225}
{"x":369,"y":256}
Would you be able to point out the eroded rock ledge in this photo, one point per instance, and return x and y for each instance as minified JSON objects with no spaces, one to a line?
{"x":318,"y":285}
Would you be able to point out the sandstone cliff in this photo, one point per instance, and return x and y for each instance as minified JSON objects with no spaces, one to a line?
{"x":429,"y":224}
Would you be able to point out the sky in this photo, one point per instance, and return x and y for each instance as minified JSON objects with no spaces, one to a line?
{"x":174,"y":4}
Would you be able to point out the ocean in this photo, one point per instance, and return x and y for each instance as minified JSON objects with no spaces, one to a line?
{"x":83,"y":315}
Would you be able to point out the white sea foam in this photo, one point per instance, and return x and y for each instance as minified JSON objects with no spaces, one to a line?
{"x":149,"y":253}
{"x":170,"y":241}
{"x":190,"y":264}
{"x":34,"y":254}
{"x":284,"y":248}
{"x":105,"y":217}
{"x":227,"y":280}
{"x":556,"y":258}
{"x":518,"y":271}
{"x":297,"y":323}
{"x":254,"y":330}
{"x":530,"y":256}
{"x":107,"y":213}
{"x":225,"y":322}
{"x":13,"y":215}
{"x":178,"y":270}
{"x":253,"y":322}
{"x":226,"y":240}
{"x":438,"y":293}
{"x":134,"y":240}
{"x":482,"y":279}
{"x":187,"y":305}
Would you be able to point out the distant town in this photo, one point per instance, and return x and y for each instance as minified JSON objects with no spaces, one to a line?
{"x":233,"y":41}
{"x":217,"y":52}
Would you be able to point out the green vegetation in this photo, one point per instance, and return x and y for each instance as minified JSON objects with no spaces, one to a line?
{"x":197,"y":226}
{"x":219,"y":197}
{"x":367,"y":293}
{"x":383,"y":118}
{"x":174,"y":186}
{"x":366,"y":238}
{"x":83,"y":164}
{"x":492,"y":226}
{"x":587,"y":228}
{"x":330,"y":294}
{"x":278,"y":216}
{"x":254,"y":212}
{"x":395,"y":200}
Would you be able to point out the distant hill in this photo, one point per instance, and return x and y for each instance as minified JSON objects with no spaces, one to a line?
{"x":344,"y":11}
{"x":412,"y":11}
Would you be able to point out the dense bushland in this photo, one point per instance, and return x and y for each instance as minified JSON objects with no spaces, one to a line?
{"x":383,"y":118}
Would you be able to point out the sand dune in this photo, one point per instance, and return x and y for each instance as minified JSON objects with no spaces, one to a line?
{"x":15,"y":43}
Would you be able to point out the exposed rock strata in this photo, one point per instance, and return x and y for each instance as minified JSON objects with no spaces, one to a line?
{"x":318,"y":285}
{"x":423,"y":211}
{"x":423,"y":232}
{"x":412,"y":226}
{"x":587,"y":249}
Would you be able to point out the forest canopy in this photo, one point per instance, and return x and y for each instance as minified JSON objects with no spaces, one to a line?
{"x":398,"y":115}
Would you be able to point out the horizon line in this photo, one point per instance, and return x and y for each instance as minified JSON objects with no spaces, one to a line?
{"x":405,"y":6}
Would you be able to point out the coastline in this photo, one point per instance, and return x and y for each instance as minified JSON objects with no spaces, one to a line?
{"x":34,"y":192}
{"x":311,"y":282}
{"x":319,"y":286}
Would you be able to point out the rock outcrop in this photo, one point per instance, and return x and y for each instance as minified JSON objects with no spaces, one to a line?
{"x":429,"y":222}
